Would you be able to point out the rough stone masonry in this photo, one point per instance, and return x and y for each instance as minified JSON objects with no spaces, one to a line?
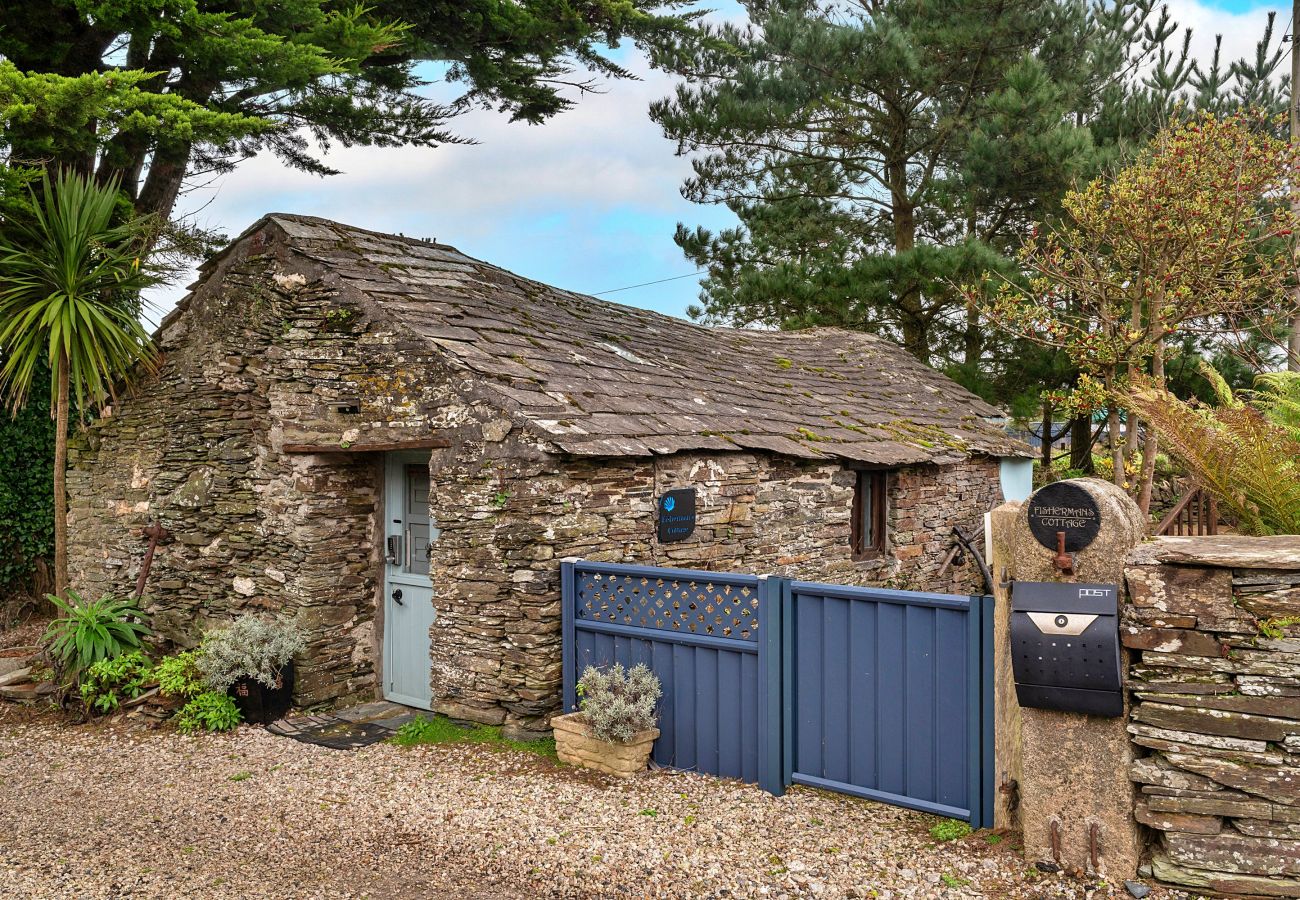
{"x":308,"y":349}
{"x":1214,"y":626}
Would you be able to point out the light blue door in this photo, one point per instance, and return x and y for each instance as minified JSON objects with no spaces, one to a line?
{"x":409,"y":535}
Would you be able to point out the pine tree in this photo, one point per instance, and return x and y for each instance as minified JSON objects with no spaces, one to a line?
{"x":877,"y":154}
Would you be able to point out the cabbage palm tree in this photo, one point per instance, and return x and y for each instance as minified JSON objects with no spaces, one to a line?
{"x":70,"y":276}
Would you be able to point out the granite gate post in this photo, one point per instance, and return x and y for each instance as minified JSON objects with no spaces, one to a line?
{"x":1068,"y":770}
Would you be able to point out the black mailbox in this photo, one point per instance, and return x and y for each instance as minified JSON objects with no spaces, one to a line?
{"x":1065,"y":647}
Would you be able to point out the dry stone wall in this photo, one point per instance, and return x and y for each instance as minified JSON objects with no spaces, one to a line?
{"x":1214,"y":626}
{"x":260,"y":360}
{"x":507,"y":520}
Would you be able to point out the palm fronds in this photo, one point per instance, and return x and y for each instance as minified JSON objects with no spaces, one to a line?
{"x":1248,"y":461}
{"x":1277,"y":396}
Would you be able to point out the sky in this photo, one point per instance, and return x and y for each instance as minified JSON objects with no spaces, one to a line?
{"x":588,"y":201}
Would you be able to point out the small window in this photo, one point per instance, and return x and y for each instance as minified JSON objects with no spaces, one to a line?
{"x":867,"y":534}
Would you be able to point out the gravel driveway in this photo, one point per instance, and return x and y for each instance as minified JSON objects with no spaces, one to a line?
{"x":112,"y":810}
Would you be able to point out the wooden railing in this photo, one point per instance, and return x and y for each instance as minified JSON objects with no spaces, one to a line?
{"x":1197,"y":512}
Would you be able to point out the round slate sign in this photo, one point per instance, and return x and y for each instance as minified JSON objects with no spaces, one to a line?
{"x":1062,"y":506}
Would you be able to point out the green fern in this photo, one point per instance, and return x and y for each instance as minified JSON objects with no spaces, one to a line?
{"x":1238,"y":452}
{"x":1277,"y":396}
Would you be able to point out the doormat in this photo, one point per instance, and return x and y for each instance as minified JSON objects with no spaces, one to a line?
{"x":331,"y":731}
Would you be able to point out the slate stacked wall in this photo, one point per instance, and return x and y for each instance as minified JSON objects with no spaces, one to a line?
{"x":1215,"y":679}
{"x":254,"y":364}
{"x":507,"y":521}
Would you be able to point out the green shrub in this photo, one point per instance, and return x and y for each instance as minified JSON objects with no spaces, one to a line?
{"x":106,"y":683}
{"x":949,"y":830}
{"x":209,"y":711}
{"x":250,"y":647}
{"x":179,"y":677}
{"x":619,"y":703}
{"x":91,"y":630}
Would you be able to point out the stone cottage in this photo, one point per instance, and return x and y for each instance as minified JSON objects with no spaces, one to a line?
{"x":395,"y":444}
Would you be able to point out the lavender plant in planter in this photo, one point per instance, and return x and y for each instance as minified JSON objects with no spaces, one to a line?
{"x":252,"y":660}
{"x":614,"y":730}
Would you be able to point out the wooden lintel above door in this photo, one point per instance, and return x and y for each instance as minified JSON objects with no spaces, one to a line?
{"x":429,"y":443}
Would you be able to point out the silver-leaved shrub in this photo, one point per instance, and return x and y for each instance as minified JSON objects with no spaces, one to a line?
{"x":250,"y":647}
{"x":619,"y":703}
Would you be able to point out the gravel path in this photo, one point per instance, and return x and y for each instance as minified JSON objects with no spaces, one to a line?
{"x":112,"y":810}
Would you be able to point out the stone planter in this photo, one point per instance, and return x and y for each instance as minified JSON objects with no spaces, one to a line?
{"x":577,"y":745}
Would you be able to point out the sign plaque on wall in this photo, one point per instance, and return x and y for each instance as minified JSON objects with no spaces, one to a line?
{"x":1062,"y":506}
{"x":676,"y":515}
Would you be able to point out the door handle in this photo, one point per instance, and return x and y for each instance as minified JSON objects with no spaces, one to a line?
{"x":397,"y":595}
{"x":408,"y":549}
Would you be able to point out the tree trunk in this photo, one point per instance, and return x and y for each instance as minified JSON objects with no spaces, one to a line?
{"x":1081,"y":444}
{"x":1046,"y":433}
{"x":60,"y":480}
{"x":1149,"y":446}
{"x":163,"y":183}
{"x":1112,"y":427}
{"x":1116,"y":446}
{"x":974,"y":336}
{"x":903,"y":212}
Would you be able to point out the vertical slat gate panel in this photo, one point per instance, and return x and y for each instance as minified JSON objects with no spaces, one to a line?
{"x":918,"y":703}
{"x":684,"y":668}
{"x":878,"y":693}
{"x":835,"y":688}
{"x":862,"y":693}
{"x":661,"y":663}
{"x":706,"y":710}
{"x":951,"y":707}
{"x":878,"y":696}
{"x":807,"y":673}
{"x":729,"y":716}
{"x":889,"y":710}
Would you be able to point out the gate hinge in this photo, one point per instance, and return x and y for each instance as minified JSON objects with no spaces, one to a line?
{"x":1011,"y":788}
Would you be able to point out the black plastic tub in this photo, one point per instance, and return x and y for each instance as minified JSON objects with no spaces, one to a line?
{"x":262,"y":705}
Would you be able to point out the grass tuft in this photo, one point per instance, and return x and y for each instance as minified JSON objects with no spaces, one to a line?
{"x":441,"y":730}
{"x":949,"y":830}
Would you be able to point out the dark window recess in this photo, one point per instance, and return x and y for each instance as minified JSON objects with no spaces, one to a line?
{"x":867,"y":535}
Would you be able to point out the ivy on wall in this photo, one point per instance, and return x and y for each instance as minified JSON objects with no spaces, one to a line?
{"x":26,"y":494}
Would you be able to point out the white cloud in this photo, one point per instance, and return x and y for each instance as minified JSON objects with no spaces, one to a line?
{"x":586,"y":201}
{"x":604,"y":159}
{"x":1240,"y":30}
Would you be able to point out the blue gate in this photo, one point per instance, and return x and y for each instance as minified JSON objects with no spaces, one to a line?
{"x":888,"y":695}
{"x":876,"y":693}
{"x":704,"y":635}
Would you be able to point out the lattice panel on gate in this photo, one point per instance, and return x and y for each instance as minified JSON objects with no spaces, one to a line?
{"x":705,"y":607}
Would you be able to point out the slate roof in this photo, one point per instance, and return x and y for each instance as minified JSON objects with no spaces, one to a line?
{"x":596,"y":378}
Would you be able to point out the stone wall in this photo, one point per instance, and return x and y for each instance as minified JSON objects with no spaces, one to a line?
{"x":1214,"y":626}
{"x":258,"y":361}
{"x":507,"y":521}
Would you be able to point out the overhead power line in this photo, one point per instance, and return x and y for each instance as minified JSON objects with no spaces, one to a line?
{"x":648,"y":283}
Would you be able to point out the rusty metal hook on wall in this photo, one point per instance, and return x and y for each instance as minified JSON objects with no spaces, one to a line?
{"x":156,"y":534}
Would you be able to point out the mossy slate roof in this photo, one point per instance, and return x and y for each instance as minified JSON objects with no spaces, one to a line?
{"x":597,"y":378}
